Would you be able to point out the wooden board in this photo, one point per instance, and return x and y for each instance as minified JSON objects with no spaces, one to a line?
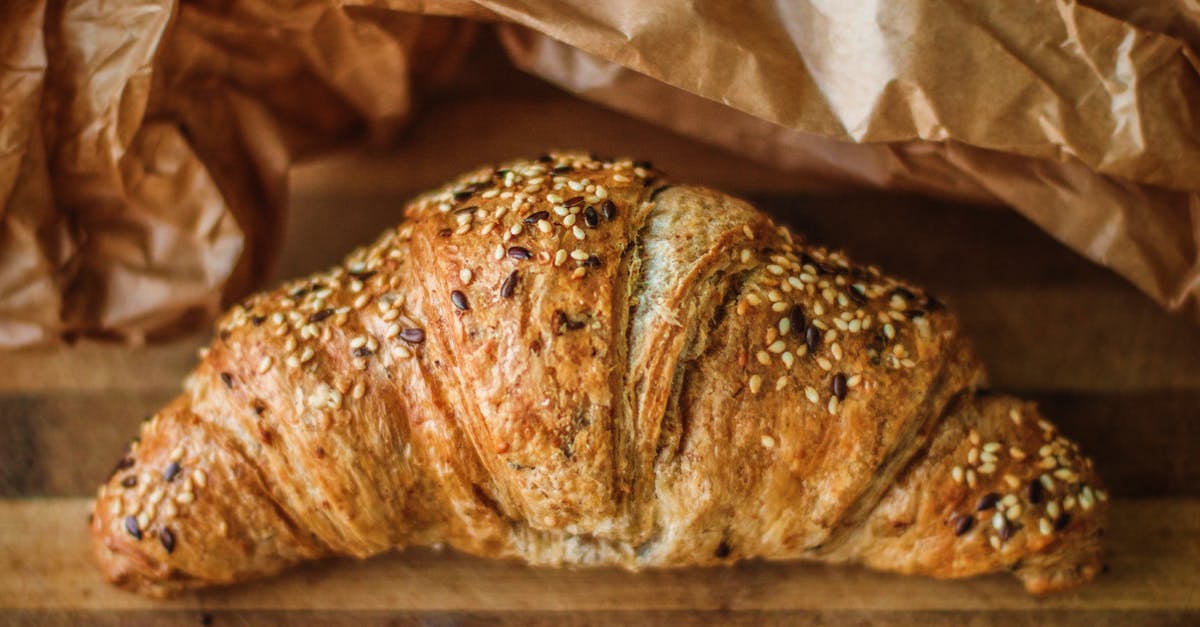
{"x":1115,"y":371}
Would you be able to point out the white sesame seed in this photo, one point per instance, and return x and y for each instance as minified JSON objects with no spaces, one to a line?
{"x":781,"y":383}
{"x":465,"y":276}
{"x":991,"y":447}
{"x":306,"y":354}
{"x":1063,"y":474}
{"x":777,"y":347}
{"x":995,"y":542}
{"x":1047,"y":482}
{"x":998,"y":521}
{"x":1009,"y":500}
{"x":971,"y":477}
{"x":498,"y":252}
{"x":264,"y":365}
{"x":824,"y":363}
{"x":579,"y":255}
{"x":768,"y":441}
{"x":1016,"y":453}
{"x":811,"y":394}
{"x":358,"y":342}
{"x":987,"y":469}
{"x":774,"y":269}
{"x":788,"y":359}
{"x":1068,"y":503}
{"x":987,"y":457}
{"x":515,"y":229}
{"x":570,"y":219}
{"x":372,"y":344}
{"x":746,"y":230}
{"x":853,"y":380}
{"x":833,"y":405}
{"x":1044,"y":526}
{"x":755,"y":383}
{"x":785,"y":325}
{"x":183,"y":498}
{"x":361,"y":301}
{"x":560,"y":256}
{"x":579,"y":272}
{"x":836,"y":349}
{"x":579,"y":234}
{"x":889,"y":331}
{"x":1012,"y":481}
{"x":779,"y":307}
{"x":292,"y":361}
{"x":957,"y":474}
{"x":763,"y":358}
{"x":176,"y":454}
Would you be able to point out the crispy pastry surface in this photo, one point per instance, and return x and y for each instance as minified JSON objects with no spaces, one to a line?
{"x":570,"y":362}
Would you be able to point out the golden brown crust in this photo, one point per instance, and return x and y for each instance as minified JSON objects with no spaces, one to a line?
{"x":570,"y":362}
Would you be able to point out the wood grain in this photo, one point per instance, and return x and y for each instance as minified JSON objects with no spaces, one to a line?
{"x":1154,"y":546}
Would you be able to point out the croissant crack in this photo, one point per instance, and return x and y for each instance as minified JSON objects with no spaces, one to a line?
{"x":685,"y":383}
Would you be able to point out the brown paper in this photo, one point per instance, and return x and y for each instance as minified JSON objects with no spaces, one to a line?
{"x":144,"y":145}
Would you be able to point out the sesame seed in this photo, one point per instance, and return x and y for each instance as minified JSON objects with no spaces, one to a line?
{"x":839,"y":386}
{"x":579,"y":234}
{"x":779,"y":307}
{"x":811,"y":393}
{"x":991,"y":447}
{"x":836,"y":350}
{"x":957,"y":474}
{"x":320,"y":315}
{"x":183,"y":498}
{"x":755,"y":383}
{"x":998,"y":521}
{"x":460,"y":300}
{"x":824,"y":364}
{"x":987,"y":457}
{"x":199,"y":478}
{"x":749,"y":233}
{"x":812,"y":337}
{"x":1016,"y":453}
{"x":853,"y":380}
{"x":1045,"y":527}
{"x":1013,"y":513}
{"x":1012,"y":481}
{"x":987,"y":469}
{"x":768,"y":441}
{"x":963,"y":524}
{"x":833,"y":405}
{"x":785,"y":326}
{"x":995,"y":542}
{"x":971,"y":477}
{"x":579,"y":255}
{"x":131,"y":526}
{"x":774,"y":269}
{"x":788,"y":359}
{"x":889,"y":331}
{"x":777,"y":347}
{"x":465,"y":276}
{"x":973,"y":456}
{"x":358,"y":342}
{"x":781,"y":383}
{"x":763,"y":358}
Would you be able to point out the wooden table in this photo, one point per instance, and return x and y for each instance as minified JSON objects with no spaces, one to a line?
{"x":1116,"y":372}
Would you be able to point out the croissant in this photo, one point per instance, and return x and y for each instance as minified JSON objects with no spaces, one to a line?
{"x":569,"y":361}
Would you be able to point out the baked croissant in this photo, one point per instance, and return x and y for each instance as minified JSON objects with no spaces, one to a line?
{"x":570,"y":362}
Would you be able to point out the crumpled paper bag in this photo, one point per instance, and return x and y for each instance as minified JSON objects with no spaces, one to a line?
{"x":144,"y":145}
